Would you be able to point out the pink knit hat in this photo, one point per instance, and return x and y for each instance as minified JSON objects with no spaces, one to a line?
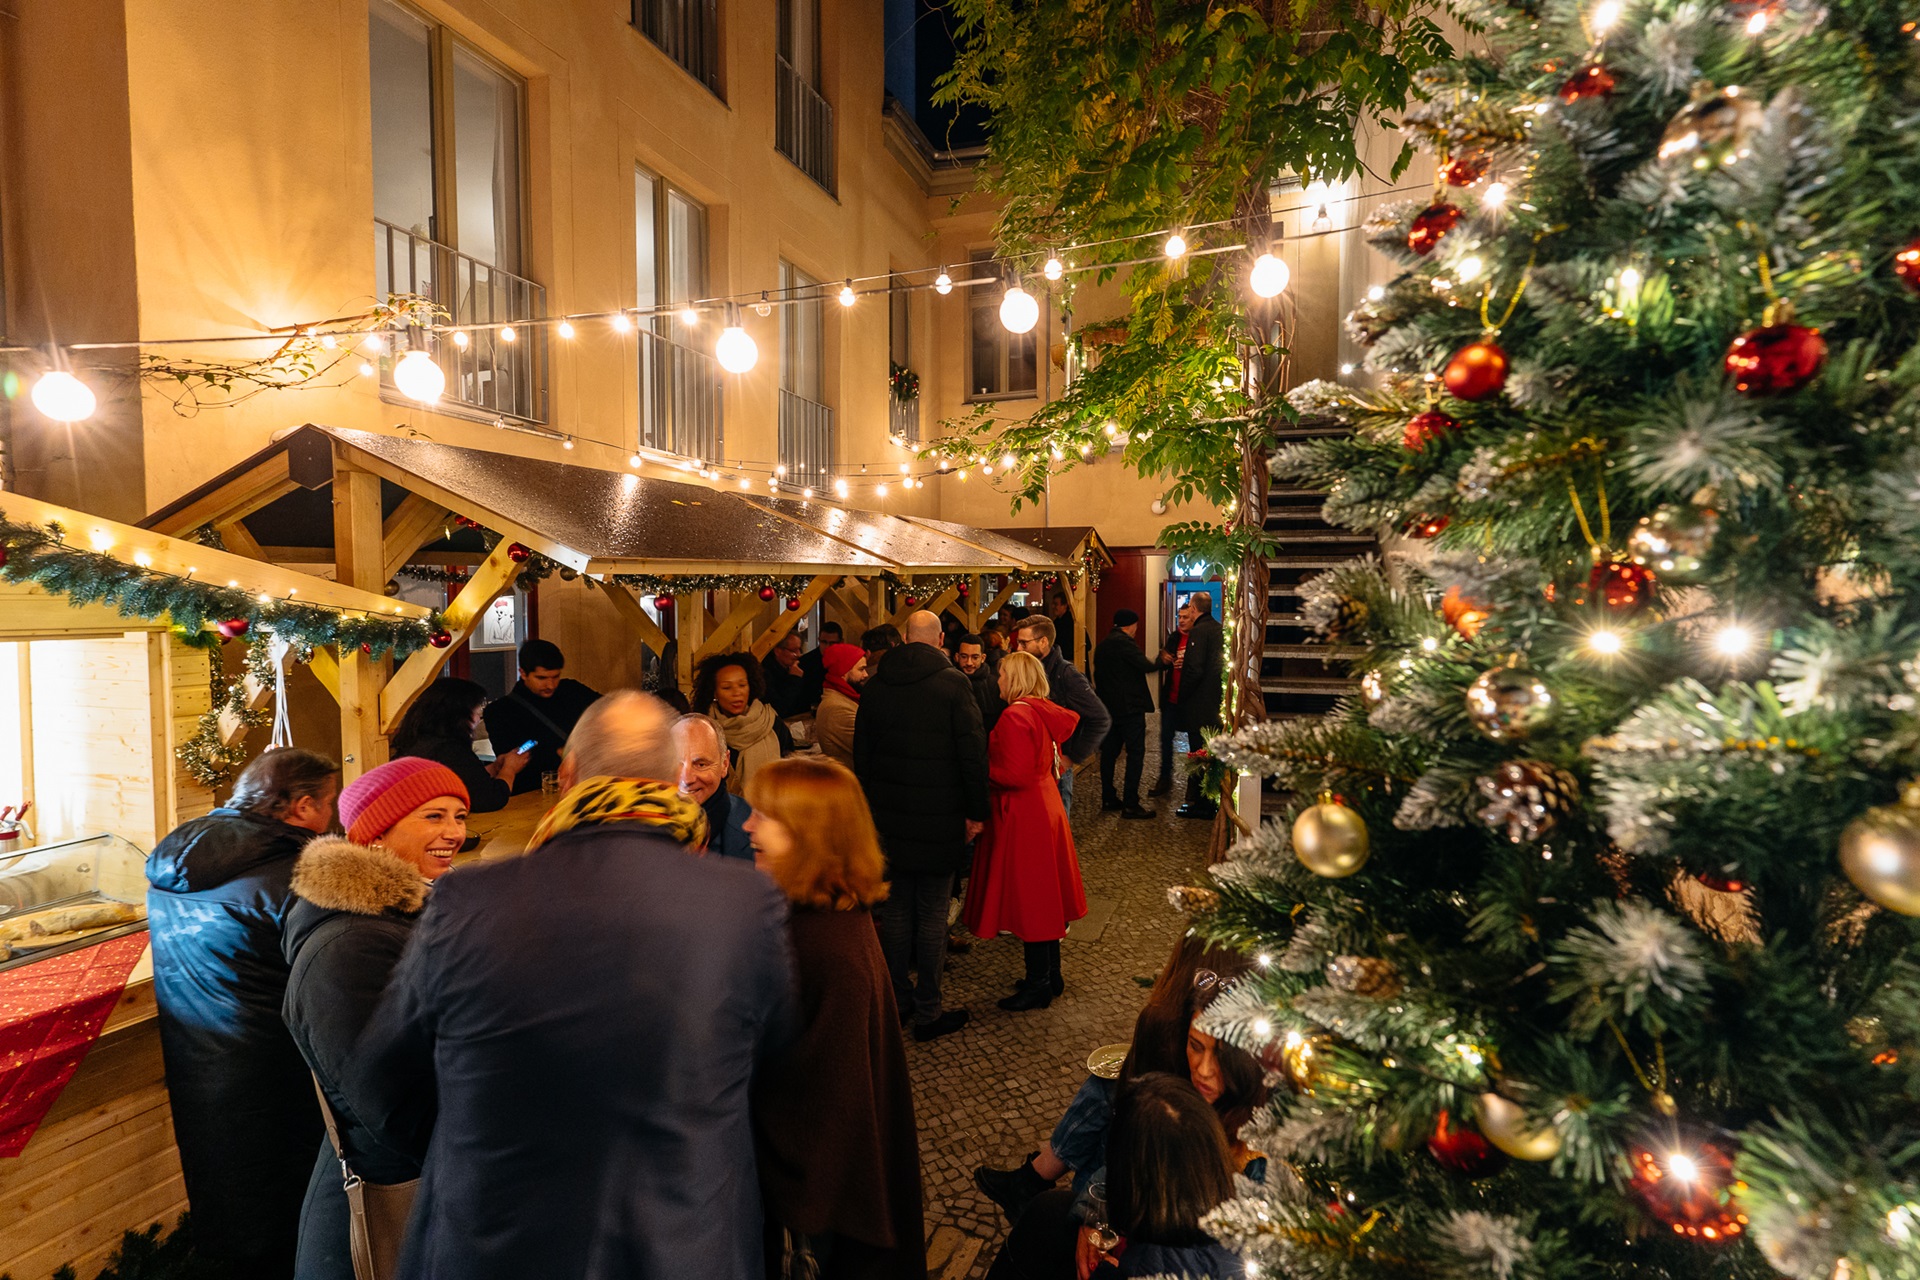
{"x":378,"y":798}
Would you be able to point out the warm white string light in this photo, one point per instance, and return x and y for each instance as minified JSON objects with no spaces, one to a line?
{"x":64,"y":398}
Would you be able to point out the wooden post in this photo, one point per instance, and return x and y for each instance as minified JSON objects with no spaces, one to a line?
{"x":359,"y":550}
{"x":692,"y":615}
{"x":495,"y":574}
{"x":629,"y":609}
{"x":1077,"y":601}
{"x":876,"y":601}
{"x":973,"y":603}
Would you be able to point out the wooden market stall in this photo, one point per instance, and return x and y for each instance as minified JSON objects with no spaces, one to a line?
{"x":97,"y":701}
{"x":1080,"y":548}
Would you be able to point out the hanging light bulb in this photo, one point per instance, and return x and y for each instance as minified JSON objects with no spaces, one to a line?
{"x":419,"y":378}
{"x":840,"y":487}
{"x":1605,"y":643}
{"x":1733,"y":641}
{"x":328,"y":341}
{"x":1376,"y":293}
{"x":366,"y":369}
{"x":1018,"y":310}
{"x":566,"y":328}
{"x":507,"y":333}
{"x":1057,"y":454}
{"x":807,"y":493}
{"x":63,"y":397}
{"x":1008,"y":461}
{"x":1053,"y":270}
{"x":1605,"y":15}
{"x":846,"y":294}
{"x":744,"y":482}
{"x":1269,"y":276}
{"x":1111,"y":428}
{"x":1495,"y":195}
{"x":943,"y":283}
{"x":374,"y":342}
{"x":879,"y":491}
{"x":567,"y":443}
{"x":1176,"y":246}
{"x":620,"y":322}
{"x":736,"y":350}
{"x":906,"y":468}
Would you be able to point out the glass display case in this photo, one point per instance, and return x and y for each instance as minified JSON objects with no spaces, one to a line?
{"x":56,"y":897}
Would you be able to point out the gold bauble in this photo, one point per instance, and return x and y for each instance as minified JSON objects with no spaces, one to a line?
{"x":1508,"y":703}
{"x":1504,"y":1122}
{"x":1330,"y":840}
{"x":1880,"y":852}
{"x":1296,"y":1057}
{"x":1717,"y":127}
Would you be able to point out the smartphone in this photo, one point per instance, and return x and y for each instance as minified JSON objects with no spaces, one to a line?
{"x":527,"y":746}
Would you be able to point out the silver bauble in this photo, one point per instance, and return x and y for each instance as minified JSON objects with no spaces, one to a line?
{"x":1674,"y":540}
{"x":1509,"y":703}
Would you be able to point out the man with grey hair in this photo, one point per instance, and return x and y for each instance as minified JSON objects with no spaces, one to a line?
{"x":568,"y":1040}
{"x":703,"y":779}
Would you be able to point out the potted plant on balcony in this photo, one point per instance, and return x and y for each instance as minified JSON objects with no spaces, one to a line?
{"x":904,"y":382}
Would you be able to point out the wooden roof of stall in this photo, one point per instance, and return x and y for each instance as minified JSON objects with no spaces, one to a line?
{"x":595,"y":521}
{"x":1065,"y":542}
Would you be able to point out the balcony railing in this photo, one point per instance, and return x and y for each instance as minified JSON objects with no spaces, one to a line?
{"x":806,"y":440}
{"x":803,"y":125}
{"x":680,"y":399}
{"x":688,"y":31}
{"x":494,"y":373}
{"x":903,"y":418}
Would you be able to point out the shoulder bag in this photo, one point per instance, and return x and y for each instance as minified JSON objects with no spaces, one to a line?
{"x":377,"y":1212}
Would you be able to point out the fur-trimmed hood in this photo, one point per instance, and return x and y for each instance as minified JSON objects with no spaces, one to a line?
{"x":336,"y":874}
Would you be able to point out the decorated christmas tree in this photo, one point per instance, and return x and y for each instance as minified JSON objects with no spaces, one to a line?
{"x":1591,"y":944}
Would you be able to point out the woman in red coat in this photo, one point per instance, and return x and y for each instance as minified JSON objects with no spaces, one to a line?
{"x":1026,"y":878}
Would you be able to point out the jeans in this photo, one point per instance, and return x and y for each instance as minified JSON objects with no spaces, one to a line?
{"x":1129,"y":734}
{"x":1065,"y":783}
{"x":912,"y":922}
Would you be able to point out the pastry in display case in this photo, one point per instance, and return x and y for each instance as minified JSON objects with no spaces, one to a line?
{"x":56,"y":897}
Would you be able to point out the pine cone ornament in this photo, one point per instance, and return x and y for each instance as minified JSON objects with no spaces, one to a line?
{"x":1368,"y":976}
{"x":1527,"y":798}
{"x":1344,"y":619}
{"x":1191,"y":898}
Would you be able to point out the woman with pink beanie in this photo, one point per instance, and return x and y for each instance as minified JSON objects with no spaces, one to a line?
{"x":356,"y":900}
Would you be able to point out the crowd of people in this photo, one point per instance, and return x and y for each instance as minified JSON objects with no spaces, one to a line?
{"x":671,"y":1040}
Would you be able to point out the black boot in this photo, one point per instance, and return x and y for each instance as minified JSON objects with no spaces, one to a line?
{"x":1034,"y":992}
{"x":1011,"y":1189}
{"x":1055,"y":983}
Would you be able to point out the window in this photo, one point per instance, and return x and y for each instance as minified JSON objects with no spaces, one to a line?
{"x":1000,"y":365}
{"x":803,"y":121}
{"x":449,"y":208}
{"x":903,"y":410}
{"x":680,"y":385}
{"x":806,"y":425}
{"x":688,"y":31}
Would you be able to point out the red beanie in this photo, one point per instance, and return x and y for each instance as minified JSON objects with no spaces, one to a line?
{"x":378,"y":798}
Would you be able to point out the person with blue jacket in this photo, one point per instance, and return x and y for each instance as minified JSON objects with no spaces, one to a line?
{"x":704,"y":766}
{"x":244,"y":1112}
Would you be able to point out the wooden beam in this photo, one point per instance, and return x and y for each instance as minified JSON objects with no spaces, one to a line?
{"x":237,"y":538}
{"x":630,"y":611}
{"x":973,"y":603}
{"x":876,"y":601}
{"x":326,"y":670}
{"x":690,"y":630}
{"x":751,"y":612}
{"x":789,"y":618}
{"x":494,"y":576}
{"x":238,"y":498}
{"x":1077,"y":606}
{"x":933,"y":606}
{"x":412,"y":525}
{"x":994,"y":606}
{"x":852,"y":606}
{"x":357,"y":562}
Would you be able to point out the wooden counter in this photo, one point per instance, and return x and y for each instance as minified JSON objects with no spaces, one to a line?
{"x":504,"y":833}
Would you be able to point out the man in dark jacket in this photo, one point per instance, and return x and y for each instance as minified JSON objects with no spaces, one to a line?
{"x":921,"y":756}
{"x":970,"y":655}
{"x":587,"y":1020}
{"x":1200,"y":667}
{"x":1067,"y":687}
{"x":1169,"y":717}
{"x":785,"y":671}
{"x":244,"y":1112}
{"x":1120,"y":678}
{"x":542,"y":707}
{"x":704,"y":766}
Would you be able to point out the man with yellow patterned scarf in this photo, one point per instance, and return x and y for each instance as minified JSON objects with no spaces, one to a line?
{"x":569,"y":1038}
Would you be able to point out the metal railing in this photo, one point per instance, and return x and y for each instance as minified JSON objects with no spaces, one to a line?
{"x":688,"y":31}
{"x":806,"y":440}
{"x":493,"y":373}
{"x":681,"y":398}
{"x":803,"y":124}
{"x":903,"y":418}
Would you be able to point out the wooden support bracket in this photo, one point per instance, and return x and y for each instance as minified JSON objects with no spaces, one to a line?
{"x":753,"y":612}
{"x":789,"y":618}
{"x":413,"y":524}
{"x":494,"y":575}
{"x":633,"y":615}
{"x":326,"y":669}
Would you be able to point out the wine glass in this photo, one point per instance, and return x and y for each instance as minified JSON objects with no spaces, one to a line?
{"x":1105,"y":1238}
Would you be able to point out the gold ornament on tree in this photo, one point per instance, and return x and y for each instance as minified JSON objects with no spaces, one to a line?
{"x":1880,"y":852}
{"x":1368,"y":976}
{"x":1716,"y":128}
{"x":1674,"y":539}
{"x":1330,"y":839}
{"x":1508,"y":703}
{"x":1505,"y":1124}
{"x":1527,"y":797}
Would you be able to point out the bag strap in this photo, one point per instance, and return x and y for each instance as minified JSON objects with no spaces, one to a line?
{"x":348,"y":1178}
{"x":527,"y":703}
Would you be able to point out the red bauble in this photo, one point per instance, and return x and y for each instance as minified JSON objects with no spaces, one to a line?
{"x":1429,"y":225}
{"x":366,"y":647}
{"x":1464,"y":171}
{"x":1427,"y":526}
{"x":963,"y":589}
{"x":1775,"y":359}
{"x":232,"y":628}
{"x":440,"y":639}
{"x":518,"y":552}
{"x":1720,"y":882}
{"x":663,"y":601}
{"x":1430,"y":425}
{"x":1590,"y":81}
{"x":1463,"y":1150}
{"x":911,"y":602}
{"x":1689,"y":1186}
{"x":3,"y":555}
{"x":793,"y":603}
{"x":768,"y":593}
{"x":1477,"y":371}
{"x":1620,"y":584}
{"x":1906,"y":265}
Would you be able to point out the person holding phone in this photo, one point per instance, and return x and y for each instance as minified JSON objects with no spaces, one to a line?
{"x":440,"y":727}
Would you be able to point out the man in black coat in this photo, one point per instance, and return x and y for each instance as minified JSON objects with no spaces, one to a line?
{"x":1120,"y":673}
{"x":920,"y":753}
{"x":1200,"y":668}
{"x":1169,"y":716}
{"x":1066,"y":687}
{"x":970,"y":655}
{"x":587,"y":1021}
{"x":244,"y":1112}
{"x":542,"y":707}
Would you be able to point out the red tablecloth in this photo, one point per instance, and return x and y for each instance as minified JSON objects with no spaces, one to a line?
{"x":51,"y":1012}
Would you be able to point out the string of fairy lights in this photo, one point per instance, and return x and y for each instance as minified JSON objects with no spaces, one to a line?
{"x":63,"y":396}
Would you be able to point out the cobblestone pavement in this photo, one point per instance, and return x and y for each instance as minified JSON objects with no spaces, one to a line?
{"x":991,"y":1092}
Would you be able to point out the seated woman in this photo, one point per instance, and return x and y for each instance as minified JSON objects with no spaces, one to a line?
{"x":440,"y":725}
{"x":355,"y":903}
{"x":731,"y":688}
{"x":838,"y":1155}
{"x":1168,"y":1166}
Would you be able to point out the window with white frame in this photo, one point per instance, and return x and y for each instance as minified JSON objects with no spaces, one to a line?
{"x":680,"y":384}
{"x":806,"y":424}
{"x":1000,"y":365}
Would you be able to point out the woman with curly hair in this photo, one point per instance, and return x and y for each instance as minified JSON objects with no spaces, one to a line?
{"x":732,"y":688}
{"x":833,"y":1113}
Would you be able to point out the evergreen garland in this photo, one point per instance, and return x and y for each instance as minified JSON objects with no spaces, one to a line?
{"x":206,"y":755}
